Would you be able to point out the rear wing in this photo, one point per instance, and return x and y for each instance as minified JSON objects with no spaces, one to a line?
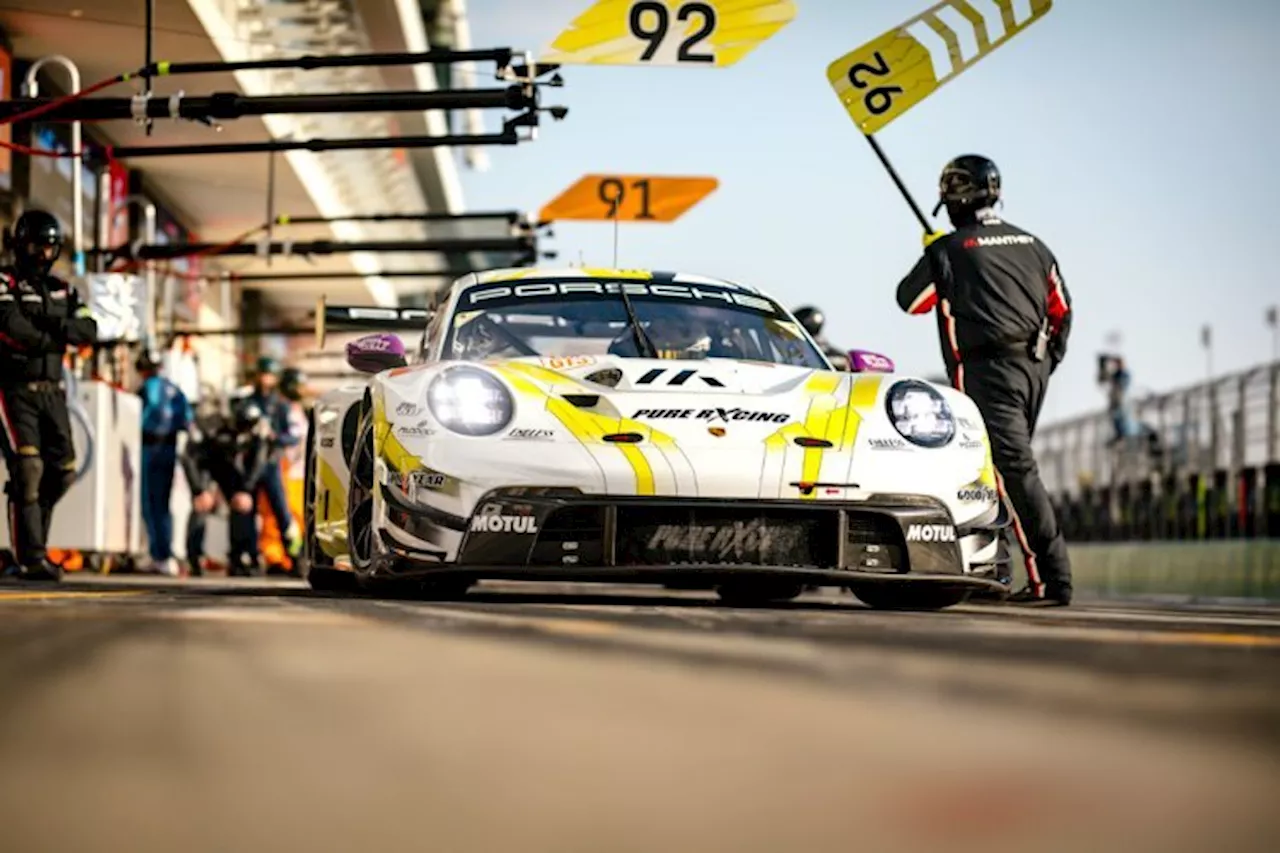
{"x":367,"y":318}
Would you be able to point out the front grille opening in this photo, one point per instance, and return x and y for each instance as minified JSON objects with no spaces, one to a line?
{"x":570,"y":536}
{"x":874,"y":543}
{"x":727,"y":536}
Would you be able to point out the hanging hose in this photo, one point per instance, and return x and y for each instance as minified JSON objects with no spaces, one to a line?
{"x":66,"y":99}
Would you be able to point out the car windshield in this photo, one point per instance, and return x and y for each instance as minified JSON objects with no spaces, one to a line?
{"x":583,"y":317}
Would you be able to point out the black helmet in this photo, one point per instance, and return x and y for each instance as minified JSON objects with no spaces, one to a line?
{"x":267,"y":364}
{"x":248,"y":415}
{"x":148,"y":360}
{"x":36,"y":242}
{"x":968,"y":183}
{"x":811,"y":318}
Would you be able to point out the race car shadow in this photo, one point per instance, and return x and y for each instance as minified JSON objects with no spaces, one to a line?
{"x":522,"y":593}
{"x":631,"y":597}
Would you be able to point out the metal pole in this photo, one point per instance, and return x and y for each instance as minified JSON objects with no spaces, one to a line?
{"x":310,"y":62}
{"x":511,"y":216}
{"x":32,"y":88}
{"x":155,"y":251}
{"x":146,"y":72}
{"x":105,"y":220}
{"x":346,"y":276}
{"x":902,"y":187}
{"x":99,"y":212}
{"x":271,"y":199}
{"x":507,"y":137}
{"x":232,"y":105}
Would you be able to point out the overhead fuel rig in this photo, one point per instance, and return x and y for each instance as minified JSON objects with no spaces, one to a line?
{"x":522,"y":81}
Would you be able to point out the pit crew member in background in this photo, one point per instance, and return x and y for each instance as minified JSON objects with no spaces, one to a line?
{"x":40,"y":316}
{"x":1004,"y":315}
{"x":165,"y":413}
{"x":236,"y":455}
{"x":275,"y":409}
{"x":196,"y":468}
{"x":209,"y":421}
{"x":813,"y":321}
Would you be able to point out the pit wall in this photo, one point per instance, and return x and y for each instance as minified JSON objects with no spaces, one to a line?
{"x":1189,"y":571}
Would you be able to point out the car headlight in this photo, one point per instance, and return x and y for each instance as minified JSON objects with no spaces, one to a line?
{"x":469,"y":401}
{"x":920,"y":414}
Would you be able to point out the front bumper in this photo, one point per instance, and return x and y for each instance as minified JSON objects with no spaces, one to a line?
{"x":563,"y":534}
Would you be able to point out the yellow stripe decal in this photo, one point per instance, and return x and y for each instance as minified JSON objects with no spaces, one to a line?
{"x":823,"y":383}
{"x":815,"y":426}
{"x":589,"y":428}
{"x":387,"y":445}
{"x":332,"y":484}
{"x":861,"y":397}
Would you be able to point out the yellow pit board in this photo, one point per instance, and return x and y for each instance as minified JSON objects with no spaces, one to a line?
{"x":628,"y":198}
{"x":890,"y":74}
{"x":684,"y":33}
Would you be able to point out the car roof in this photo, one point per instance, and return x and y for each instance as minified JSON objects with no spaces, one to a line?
{"x":543,"y":274}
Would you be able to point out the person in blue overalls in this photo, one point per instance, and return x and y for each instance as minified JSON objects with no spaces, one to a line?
{"x":275,"y":408}
{"x":165,"y":413}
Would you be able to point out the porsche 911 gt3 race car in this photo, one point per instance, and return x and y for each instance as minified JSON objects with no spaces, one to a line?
{"x":602,"y":425}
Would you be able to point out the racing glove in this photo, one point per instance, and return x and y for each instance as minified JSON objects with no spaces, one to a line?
{"x":931,"y":237}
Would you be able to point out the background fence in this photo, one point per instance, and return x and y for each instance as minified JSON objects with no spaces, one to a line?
{"x":1205,"y":466}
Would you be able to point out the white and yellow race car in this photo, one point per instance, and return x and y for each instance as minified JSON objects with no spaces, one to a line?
{"x":633,"y":426}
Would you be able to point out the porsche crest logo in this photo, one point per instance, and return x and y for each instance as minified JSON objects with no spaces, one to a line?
{"x":718,"y":432}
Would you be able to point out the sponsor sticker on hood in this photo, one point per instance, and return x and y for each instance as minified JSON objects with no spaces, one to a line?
{"x":712,"y":415}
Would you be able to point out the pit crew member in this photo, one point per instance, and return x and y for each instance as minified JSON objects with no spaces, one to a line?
{"x":40,"y":316}
{"x":1004,"y":316}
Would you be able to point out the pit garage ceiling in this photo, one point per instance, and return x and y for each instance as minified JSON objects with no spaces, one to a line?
{"x":220,"y":196}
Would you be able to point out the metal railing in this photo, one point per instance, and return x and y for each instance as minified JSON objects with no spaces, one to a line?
{"x":1205,"y":463}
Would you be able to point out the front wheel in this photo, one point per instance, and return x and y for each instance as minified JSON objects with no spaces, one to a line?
{"x":895,"y":597}
{"x":360,"y":543}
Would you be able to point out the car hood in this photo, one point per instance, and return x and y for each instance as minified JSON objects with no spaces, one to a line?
{"x":700,"y":402}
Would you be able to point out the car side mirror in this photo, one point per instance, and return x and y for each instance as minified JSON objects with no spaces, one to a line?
{"x":865,"y":361}
{"x":376,"y":353}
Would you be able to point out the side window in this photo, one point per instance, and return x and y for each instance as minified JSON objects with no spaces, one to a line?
{"x":435,"y":328}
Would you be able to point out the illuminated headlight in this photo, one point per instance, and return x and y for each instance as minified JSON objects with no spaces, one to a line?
{"x":920,"y":414}
{"x":470,"y":401}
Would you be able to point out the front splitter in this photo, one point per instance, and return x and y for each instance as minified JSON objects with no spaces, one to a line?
{"x":402,"y":566}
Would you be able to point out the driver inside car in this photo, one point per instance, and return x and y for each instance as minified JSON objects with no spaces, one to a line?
{"x":678,"y":336}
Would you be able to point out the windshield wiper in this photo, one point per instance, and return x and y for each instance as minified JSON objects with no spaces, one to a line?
{"x":644,"y":346}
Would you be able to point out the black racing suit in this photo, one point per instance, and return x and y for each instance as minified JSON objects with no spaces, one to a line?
{"x":40,"y":316}
{"x":993,"y":288}
{"x":236,"y":460}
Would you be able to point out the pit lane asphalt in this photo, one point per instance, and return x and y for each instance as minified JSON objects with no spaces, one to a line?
{"x":144,"y":714}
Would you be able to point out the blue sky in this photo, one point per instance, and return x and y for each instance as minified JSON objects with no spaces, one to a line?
{"x":1136,"y":137}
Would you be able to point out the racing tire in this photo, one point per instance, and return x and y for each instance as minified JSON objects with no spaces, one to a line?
{"x":360,"y":544}
{"x":758,"y":593}
{"x":321,"y":574}
{"x":892,"y":597}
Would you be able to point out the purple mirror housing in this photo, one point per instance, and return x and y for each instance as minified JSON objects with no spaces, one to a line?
{"x":865,"y":361}
{"x":376,"y":353}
